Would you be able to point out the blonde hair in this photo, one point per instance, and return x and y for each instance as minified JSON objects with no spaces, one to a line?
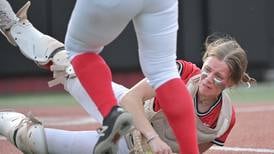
{"x":227,"y":49}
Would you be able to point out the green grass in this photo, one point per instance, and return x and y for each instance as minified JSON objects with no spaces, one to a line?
{"x":262,"y":93}
{"x":36,"y":99}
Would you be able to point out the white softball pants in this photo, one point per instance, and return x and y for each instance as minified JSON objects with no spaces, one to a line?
{"x":96,"y":23}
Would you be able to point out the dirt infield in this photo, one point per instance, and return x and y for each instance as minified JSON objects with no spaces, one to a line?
{"x":252,"y":134}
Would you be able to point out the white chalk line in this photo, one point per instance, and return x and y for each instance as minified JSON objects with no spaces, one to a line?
{"x":239,"y":149}
{"x":67,"y":121}
{"x":250,"y":109}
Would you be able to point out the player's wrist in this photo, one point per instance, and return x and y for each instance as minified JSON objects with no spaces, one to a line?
{"x":151,"y":136}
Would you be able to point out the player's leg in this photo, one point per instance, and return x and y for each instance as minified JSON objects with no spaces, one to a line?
{"x":74,"y":87}
{"x":30,"y":37}
{"x":26,"y":133}
{"x":34,"y":45}
{"x":157,"y":50}
{"x":93,"y":25}
{"x":80,"y":142}
{"x":42,"y":49}
{"x":29,"y":136}
{"x":7,"y":19}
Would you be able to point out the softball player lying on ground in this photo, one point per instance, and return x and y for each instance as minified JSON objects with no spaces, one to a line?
{"x":224,"y":66}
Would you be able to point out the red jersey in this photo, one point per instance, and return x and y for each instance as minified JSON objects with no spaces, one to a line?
{"x":210,"y":117}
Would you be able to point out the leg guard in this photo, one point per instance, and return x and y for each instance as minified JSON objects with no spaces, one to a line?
{"x":32,"y":43}
{"x":26,"y":133}
{"x":42,"y":49}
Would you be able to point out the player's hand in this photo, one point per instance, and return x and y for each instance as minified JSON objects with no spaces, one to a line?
{"x":159,"y":147}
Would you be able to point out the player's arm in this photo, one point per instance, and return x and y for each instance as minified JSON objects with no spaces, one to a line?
{"x":133,"y":102}
{"x":187,"y":70}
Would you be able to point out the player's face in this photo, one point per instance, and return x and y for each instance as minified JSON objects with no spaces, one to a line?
{"x":214,"y":77}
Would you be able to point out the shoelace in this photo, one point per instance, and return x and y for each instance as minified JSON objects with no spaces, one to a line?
{"x":28,"y":120}
{"x":32,"y":118}
{"x":101,"y":130}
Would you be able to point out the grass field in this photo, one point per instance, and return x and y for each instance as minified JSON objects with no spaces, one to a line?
{"x":37,"y":99}
{"x":263,"y":92}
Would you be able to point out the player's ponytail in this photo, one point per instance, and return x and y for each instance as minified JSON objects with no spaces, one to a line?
{"x":249,"y":81}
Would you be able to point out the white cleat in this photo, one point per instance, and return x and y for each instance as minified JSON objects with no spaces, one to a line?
{"x":26,"y":133}
{"x":7,"y":19}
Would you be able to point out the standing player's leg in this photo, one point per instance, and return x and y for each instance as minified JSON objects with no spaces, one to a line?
{"x":93,"y":25}
{"x":157,"y":50}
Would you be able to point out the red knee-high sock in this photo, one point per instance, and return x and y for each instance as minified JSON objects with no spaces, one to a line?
{"x":178,"y":107}
{"x":95,"y":76}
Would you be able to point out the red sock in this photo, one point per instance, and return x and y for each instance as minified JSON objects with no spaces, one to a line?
{"x":178,"y":107}
{"x":95,"y":76}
